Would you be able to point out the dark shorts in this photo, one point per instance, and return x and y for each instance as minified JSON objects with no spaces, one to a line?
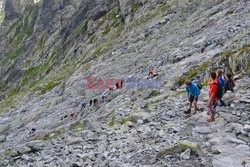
{"x":191,"y":98}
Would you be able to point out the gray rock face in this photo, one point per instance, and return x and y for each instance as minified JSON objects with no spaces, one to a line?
{"x":2,"y":138}
{"x":186,"y":154}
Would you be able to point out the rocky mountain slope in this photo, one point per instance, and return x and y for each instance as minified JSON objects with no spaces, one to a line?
{"x":49,"y":48}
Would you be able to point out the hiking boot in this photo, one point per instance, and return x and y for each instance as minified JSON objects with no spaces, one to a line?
{"x":188,"y":111}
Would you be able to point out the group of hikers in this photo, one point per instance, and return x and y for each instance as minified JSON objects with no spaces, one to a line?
{"x":219,"y":84}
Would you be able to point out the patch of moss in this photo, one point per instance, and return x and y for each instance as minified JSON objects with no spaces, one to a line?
{"x":103,"y":48}
{"x":87,"y":66}
{"x":91,"y":39}
{"x":55,"y":80}
{"x":203,"y":66}
{"x":41,"y":42}
{"x":112,"y":122}
{"x":130,"y":119}
{"x":82,"y":29}
{"x":180,"y":80}
{"x":153,"y":94}
{"x":179,"y":93}
{"x":165,"y":7}
{"x":52,"y":136}
{"x":100,"y":23}
{"x":205,"y":83}
{"x":133,"y":7}
{"x":2,"y":14}
{"x":112,"y":15}
{"x":106,"y":30}
{"x":179,"y":148}
{"x":192,"y":74}
{"x":78,"y":127}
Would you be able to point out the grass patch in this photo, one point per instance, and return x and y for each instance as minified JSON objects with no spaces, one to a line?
{"x":91,"y":39}
{"x":78,"y":127}
{"x":179,"y":148}
{"x":52,"y":136}
{"x":87,"y":66}
{"x":103,"y":48}
{"x":82,"y":29}
{"x":123,"y":121}
{"x":106,"y":30}
{"x":179,"y":93}
{"x":2,"y":14}
{"x":153,"y":94}
{"x":180,"y":80}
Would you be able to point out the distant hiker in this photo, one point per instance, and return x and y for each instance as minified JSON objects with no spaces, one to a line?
{"x":95,"y":101}
{"x":230,"y":84}
{"x":213,"y":96}
{"x":152,"y":73}
{"x":83,"y":105}
{"x":32,"y":130}
{"x":72,"y":115}
{"x":64,"y":117}
{"x":221,"y":85}
{"x":193,"y":93}
{"x":202,"y":50}
{"x":90,"y":102}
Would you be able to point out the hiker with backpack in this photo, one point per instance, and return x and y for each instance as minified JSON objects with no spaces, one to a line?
{"x":213,"y":96}
{"x":221,"y":81}
{"x":230,"y":84}
{"x":193,"y":93}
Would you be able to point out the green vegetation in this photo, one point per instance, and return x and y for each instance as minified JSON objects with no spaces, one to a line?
{"x":103,"y":48}
{"x":78,"y":127}
{"x":41,"y":42}
{"x":133,"y":7}
{"x":155,"y":101}
{"x":153,"y":94}
{"x":193,"y":72}
{"x":106,"y":30}
{"x":87,"y":66}
{"x":112,"y":15}
{"x":91,"y":39}
{"x":123,"y":121}
{"x":179,"y":93}
{"x":51,"y":136}
{"x":180,"y":80}
{"x":2,"y":14}
{"x":100,"y":23}
{"x":82,"y":29}
{"x":23,"y":30}
{"x":179,"y":148}
{"x":55,"y":80}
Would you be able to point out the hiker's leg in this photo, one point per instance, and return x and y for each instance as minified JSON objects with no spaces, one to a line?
{"x":222,"y":103}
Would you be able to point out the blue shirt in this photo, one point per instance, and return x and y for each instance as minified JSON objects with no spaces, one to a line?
{"x":221,"y":82}
{"x":193,"y":89}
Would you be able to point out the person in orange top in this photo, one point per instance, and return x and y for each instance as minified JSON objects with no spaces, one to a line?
{"x":213,"y":98}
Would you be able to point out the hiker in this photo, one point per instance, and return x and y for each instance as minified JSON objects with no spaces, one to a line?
{"x":90,"y":102}
{"x":83,"y":105}
{"x":95,"y":101}
{"x":152,"y":73}
{"x":221,"y":84}
{"x":230,"y":84}
{"x":213,"y":96}
{"x":193,"y":93}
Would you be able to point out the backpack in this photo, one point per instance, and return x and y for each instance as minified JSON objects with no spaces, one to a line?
{"x":198,"y":84}
{"x":220,"y":90}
